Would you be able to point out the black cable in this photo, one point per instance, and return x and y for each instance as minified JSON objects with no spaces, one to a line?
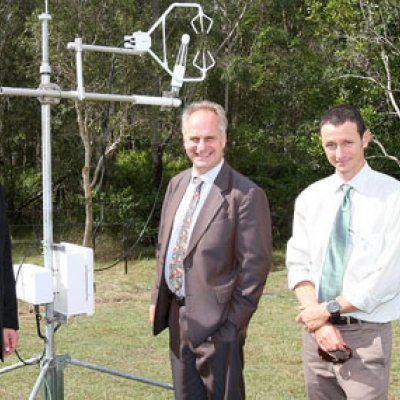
{"x":37,"y":317}
{"x":129,"y":251}
{"x":21,"y":359}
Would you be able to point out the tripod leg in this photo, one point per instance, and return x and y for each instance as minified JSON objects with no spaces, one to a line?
{"x":40,"y":379}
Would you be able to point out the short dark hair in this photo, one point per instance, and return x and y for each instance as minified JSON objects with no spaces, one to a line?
{"x":338,"y":115}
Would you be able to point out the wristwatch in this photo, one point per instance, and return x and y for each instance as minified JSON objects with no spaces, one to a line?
{"x":333,"y":308}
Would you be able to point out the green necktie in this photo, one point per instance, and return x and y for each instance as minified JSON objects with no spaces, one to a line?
{"x":337,"y":252}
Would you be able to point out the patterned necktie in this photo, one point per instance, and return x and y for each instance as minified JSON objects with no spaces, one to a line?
{"x":176,"y":272}
{"x":337,"y":252}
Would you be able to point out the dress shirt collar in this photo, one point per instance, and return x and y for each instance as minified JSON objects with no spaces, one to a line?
{"x":359,"y":182}
{"x":209,"y":177}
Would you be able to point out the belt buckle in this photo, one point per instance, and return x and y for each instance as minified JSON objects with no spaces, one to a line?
{"x":180,"y":301}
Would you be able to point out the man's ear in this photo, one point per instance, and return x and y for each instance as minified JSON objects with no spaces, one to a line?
{"x":366,"y":138}
{"x":224,"y":140}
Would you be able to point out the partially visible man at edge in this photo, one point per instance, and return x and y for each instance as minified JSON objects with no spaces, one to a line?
{"x":8,"y":300}
{"x":225,"y":264}
{"x":347,"y":337}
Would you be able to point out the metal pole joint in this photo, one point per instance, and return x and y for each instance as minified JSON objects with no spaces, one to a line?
{"x":50,"y":100}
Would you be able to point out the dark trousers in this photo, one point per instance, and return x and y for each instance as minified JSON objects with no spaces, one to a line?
{"x":211,"y":371}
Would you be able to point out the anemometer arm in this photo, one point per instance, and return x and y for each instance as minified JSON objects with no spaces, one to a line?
{"x":201,"y":24}
{"x":138,"y":43}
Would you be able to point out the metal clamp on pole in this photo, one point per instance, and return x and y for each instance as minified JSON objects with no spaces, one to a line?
{"x":50,"y":100}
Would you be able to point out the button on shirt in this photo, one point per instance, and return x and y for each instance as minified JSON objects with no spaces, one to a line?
{"x":372,"y":277}
{"x":208,"y":181}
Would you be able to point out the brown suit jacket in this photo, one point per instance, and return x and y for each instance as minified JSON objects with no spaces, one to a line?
{"x":228,"y":256}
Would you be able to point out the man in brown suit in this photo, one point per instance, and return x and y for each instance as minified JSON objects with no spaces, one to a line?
{"x":8,"y":300}
{"x":225,"y":254}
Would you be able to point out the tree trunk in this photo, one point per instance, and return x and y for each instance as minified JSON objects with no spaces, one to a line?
{"x":87,"y":236}
{"x":87,"y":187}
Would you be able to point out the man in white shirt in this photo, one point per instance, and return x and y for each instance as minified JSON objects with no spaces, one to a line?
{"x":347,"y":337}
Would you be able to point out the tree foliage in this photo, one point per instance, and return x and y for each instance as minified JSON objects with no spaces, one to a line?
{"x":280,"y":64}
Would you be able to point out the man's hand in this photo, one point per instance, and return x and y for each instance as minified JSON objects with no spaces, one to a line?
{"x":329,"y":338}
{"x":10,"y":340}
{"x":152,"y":310}
{"x":313,"y":316}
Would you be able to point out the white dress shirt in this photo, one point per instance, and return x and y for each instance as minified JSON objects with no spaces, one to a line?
{"x":372,"y":277}
{"x":208,"y":180}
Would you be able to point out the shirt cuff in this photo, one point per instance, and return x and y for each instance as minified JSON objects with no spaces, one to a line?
{"x":295,"y":277}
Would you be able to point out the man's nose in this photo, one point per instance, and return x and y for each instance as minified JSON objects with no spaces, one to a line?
{"x":339,"y":151}
{"x":201,"y":144}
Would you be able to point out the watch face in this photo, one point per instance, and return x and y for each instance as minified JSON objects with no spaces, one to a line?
{"x":333,"y":307}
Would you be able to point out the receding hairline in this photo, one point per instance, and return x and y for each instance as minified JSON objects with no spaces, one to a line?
{"x":205,"y":105}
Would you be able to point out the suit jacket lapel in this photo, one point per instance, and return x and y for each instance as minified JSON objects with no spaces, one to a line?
{"x":211,"y":206}
{"x":174,"y":200}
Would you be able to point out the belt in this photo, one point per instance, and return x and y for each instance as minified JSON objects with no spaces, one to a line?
{"x":345,"y":321}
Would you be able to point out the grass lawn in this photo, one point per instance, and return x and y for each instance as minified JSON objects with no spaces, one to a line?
{"x":119,"y":336}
